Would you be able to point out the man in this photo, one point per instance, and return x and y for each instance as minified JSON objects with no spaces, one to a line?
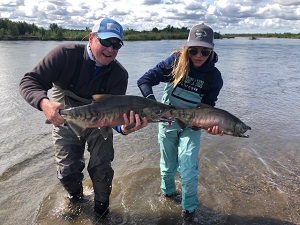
{"x":76,"y":72}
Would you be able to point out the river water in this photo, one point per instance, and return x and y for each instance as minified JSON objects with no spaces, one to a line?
{"x":251,"y":180}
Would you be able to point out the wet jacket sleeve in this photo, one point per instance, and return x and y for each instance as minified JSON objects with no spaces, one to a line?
{"x":147,"y":91}
{"x":35,"y":84}
{"x":160,"y":73}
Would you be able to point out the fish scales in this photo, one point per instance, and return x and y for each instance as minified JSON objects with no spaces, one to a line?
{"x":207,"y":117}
{"x":107,"y":111}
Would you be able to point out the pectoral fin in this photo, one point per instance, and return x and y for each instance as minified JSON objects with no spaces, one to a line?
{"x":105,"y":131}
{"x":180,"y":123}
{"x":76,"y":129}
{"x":195,"y":128}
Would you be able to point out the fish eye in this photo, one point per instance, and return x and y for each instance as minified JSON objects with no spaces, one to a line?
{"x":158,"y":111}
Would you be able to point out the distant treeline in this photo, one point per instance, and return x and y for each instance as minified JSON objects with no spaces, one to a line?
{"x":10,"y":30}
{"x":268,"y":35}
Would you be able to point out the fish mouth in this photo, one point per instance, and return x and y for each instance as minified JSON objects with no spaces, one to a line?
{"x":164,"y":119}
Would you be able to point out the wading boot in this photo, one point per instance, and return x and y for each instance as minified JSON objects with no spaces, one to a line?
{"x":187,"y":217}
{"x":101,"y":209}
{"x":175,"y":197}
{"x":75,"y":196}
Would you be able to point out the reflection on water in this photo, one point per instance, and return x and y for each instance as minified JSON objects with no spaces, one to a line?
{"x":242,"y":181}
{"x":236,"y":186}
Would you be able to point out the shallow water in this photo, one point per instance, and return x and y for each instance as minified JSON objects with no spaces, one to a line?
{"x":251,"y":180}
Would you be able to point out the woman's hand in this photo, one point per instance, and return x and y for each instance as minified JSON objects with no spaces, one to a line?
{"x":215,"y":130}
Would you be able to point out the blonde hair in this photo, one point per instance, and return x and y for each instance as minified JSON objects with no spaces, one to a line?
{"x":181,"y":67}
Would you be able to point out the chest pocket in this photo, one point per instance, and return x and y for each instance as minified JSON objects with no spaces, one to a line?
{"x":180,"y":98}
{"x":186,"y":97}
{"x":190,"y":93}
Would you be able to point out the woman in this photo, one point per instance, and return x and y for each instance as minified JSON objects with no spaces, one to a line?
{"x":191,"y":78}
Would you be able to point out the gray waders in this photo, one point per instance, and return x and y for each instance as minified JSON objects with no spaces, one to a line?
{"x":69,"y":154}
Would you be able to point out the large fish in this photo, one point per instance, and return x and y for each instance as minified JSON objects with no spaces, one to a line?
{"x":206,"y":116}
{"x":107,"y":111}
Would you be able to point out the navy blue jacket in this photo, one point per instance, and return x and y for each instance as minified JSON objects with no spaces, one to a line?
{"x":207,"y":73}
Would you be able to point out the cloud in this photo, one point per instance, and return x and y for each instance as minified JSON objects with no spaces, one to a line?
{"x":225,"y":16}
{"x":287,"y":2}
{"x":152,"y":2}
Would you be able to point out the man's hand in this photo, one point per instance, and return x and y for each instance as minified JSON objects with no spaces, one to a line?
{"x":215,"y":130}
{"x":51,"y":111}
{"x":133,"y":123}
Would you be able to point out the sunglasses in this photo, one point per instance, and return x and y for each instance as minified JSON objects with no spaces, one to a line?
{"x":204,"y":52}
{"x":107,"y":43}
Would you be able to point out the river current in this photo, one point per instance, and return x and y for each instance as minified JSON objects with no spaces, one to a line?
{"x":252,"y":181}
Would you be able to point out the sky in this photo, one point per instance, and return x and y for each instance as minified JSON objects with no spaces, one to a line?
{"x":224,"y":16}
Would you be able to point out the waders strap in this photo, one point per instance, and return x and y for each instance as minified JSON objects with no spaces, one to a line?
{"x":80,"y":52}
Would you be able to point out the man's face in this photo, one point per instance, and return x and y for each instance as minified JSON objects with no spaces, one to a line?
{"x":103,"y":55}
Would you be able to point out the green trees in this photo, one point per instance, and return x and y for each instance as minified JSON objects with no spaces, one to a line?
{"x":155,"y":34}
{"x":15,"y":30}
{"x":55,"y":32}
{"x":21,"y":30}
{"x":10,"y":30}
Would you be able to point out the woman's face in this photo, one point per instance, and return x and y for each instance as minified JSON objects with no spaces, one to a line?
{"x":104,"y":55}
{"x":199,"y":55}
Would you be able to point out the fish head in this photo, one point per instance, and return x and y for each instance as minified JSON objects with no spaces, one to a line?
{"x":240,"y":129}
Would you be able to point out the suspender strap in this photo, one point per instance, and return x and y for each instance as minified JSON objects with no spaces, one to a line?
{"x":80,"y":52}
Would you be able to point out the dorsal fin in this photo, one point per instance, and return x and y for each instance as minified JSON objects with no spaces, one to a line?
{"x":100,"y":97}
{"x":203,"y":105}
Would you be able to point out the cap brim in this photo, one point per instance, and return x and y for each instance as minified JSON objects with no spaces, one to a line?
{"x":105,"y":35}
{"x":199,"y":43}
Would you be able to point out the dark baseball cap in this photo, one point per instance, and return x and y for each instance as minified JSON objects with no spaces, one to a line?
{"x":201,"y":35}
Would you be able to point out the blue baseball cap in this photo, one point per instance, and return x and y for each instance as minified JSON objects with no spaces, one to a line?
{"x":108,"y":28}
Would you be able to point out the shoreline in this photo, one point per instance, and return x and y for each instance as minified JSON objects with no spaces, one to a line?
{"x":138,"y":39}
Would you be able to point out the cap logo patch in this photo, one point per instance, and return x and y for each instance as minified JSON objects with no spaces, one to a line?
{"x":200,"y":34}
{"x":113,"y":26}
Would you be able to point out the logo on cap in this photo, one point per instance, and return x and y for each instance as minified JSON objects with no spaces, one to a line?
{"x":113,"y":26}
{"x":200,"y":34}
